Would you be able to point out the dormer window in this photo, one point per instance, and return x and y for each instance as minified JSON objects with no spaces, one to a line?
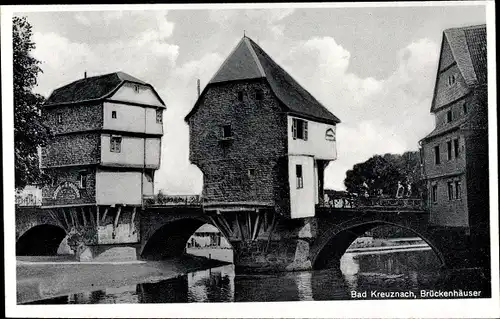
{"x":449,"y":116}
{"x":259,"y":95}
{"x":451,"y":79}
{"x":113,"y":114}
{"x":299,"y":129}
{"x":159,"y":116}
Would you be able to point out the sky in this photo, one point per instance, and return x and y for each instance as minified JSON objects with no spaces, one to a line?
{"x":374,"y":68}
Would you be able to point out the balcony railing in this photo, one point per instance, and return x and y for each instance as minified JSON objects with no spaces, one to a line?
{"x":355,"y":202}
{"x":174,"y":200}
{"x":29,"y":200}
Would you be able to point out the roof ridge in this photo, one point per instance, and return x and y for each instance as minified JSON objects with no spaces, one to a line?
{"x":254,"y":55}
{"x":469,"y":27}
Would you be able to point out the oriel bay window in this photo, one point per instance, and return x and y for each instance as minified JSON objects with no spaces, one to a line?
{"x":299,"y":129}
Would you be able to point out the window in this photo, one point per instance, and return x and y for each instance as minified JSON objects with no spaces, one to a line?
{"x":298,"y":172}
{"x":113,"y":114}
{"x":450,"y":190}
{"x":437,"y":160}
{"x":226,"y":131}
{"x":159,"y":116}
{"x":449,"y":116}
{"x":465,"y":108}
{"x":136,"y":89}
{"x":259,"y":95}
{"x":456,"y":147}
{"x":116,"y":144}
{"x":448,"y":144}
{"x":59,"y":118}
{"x":83,"y":179}
{"x":451,"y":79}
{"x":434,"y":193}
{"x":458,"y":190}
{"x":240,"y":96}
{"x":299,"y":129}
{"x":251,"y":172}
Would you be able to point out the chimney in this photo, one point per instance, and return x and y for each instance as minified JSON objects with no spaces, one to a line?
{"x":85,"y":74}
{"x":198,"y":86}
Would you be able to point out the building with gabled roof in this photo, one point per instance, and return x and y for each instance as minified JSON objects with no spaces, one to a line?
{"x":107,"y":141}
{"x":455,"y":153}
{"x":260,"y":139}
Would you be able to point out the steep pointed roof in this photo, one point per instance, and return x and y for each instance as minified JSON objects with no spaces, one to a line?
{"x":468,"y":45}
{"x":469,"y":50}
{"x":91,"y":89}
{"x":249,"y":61}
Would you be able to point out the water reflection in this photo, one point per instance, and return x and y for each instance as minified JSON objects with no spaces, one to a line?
{"x":400,"y":271}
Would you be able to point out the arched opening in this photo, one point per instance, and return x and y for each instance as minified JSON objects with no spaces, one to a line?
{"x":207,"y":241}
{"x":376,"y":238}
{"x":187,"y":236}
{"x":41,"y":240}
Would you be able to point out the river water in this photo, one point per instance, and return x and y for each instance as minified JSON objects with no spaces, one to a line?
{"x":403,"y":271}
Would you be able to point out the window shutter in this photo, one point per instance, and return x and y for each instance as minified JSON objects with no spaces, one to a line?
{"x":305,"y":130}
{"x":294,"y":129}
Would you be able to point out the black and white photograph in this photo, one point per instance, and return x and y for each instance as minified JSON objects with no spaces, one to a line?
{"x":250,"y":160}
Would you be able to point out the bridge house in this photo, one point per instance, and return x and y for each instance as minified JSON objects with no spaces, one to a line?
{"x":106,"y":148}
{"x":455,"y":153}
{"x":260,"y":139}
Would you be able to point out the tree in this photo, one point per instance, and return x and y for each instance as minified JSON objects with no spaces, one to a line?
{"x":380,"y":175}
{"x":29,"y":131}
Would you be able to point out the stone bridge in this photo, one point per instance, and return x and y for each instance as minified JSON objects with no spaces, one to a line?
{"x":262,"y":240}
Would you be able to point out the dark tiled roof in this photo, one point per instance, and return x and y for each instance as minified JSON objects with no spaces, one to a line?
{"x":249,"y":61}
{"x":445,"y":128}
{"x":91,"y":88}
{"x":468,"y":45}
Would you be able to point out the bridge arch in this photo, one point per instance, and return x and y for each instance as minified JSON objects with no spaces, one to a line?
{"x":40,"y":240}
{"x":170,"y":238}
{"x":330,"y":247}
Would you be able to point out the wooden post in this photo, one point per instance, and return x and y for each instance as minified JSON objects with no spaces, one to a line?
{"x":74,"y":217}
{"x":66,"y":219}
{"x":226,"y":224}
{"x":256,"y":227}
{"x":83,"y":216}
{"x":249,"y":225}
{"x":117,"y":216}
{"x":239,"y":227}
{"x":97,"y":219}
{"x":104,"y":215}
{"x":92,"y":216}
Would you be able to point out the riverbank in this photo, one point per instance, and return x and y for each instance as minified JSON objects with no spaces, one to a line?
{"x":41,"y":278}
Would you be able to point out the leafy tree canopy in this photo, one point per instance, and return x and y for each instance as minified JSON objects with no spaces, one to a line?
{"x":29,"y":131}
{"x":381,"y":174}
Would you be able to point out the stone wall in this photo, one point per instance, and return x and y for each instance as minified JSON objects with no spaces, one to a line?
{"x":250,"y":166}
{"x":75,"y":118}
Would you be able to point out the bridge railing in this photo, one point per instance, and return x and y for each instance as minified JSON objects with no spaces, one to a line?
{"x":28,"y":200}
{"x":174,"y":200}
{"x":355,"y":202}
